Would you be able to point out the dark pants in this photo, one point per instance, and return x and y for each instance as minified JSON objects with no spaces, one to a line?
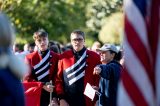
{"x":45,"y":98}
{"x":104,"y":101}
{"x":76,"y":100}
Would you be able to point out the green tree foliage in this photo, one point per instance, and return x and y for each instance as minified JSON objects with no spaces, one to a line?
{"x":97,"y":13}
{"x":98,"y":10}
{"x":58,"y":17}
{"x":112,"y":29}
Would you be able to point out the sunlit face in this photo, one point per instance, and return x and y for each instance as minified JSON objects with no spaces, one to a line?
{"x":42,"y":43}
{"x":77,"y":41}
{"x":106,"y":56}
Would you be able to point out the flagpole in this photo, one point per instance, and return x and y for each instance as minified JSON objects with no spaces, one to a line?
{"x":50,"y":99}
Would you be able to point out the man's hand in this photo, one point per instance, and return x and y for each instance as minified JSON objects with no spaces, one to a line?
{"x":63,"y":102}
{"x":95,"y":88}
{"x":97,"y":70}
{"x":54,"y":102}
{"x":48,"y":88}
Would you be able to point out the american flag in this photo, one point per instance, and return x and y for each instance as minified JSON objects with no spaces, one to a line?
{"x":140,"y":81}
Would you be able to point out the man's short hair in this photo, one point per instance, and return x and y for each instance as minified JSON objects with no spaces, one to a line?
{"x":79,"y":32}
{"x":40,"y":33}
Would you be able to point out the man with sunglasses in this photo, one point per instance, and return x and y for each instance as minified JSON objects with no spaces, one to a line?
{"x":75,"y":70}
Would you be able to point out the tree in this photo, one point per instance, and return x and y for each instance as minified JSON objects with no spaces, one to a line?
{"x":98,"y":10}
{"x":112,"y":31}
{"x":97,"y":13}
{"x":58,"y":17}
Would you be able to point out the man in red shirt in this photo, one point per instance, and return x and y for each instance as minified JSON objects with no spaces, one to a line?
{"x":75,"y":70}
{"x":43,"y":65}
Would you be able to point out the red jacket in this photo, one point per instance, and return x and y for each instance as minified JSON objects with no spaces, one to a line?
{"x":67,"y":59}
{"x":34,"y":58}
{"x":32,"y":93}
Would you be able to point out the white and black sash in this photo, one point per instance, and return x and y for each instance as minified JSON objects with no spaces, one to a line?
{"x":41,"y":69}
{"x":77,"y":70}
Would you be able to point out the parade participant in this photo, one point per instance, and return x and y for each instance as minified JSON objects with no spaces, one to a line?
{"x":11,"y":90}
{"x":43,"y":63}
{"x":109,"y":71}
{"x":75,"y":70}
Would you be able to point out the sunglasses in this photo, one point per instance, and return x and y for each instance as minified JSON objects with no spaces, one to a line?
{"x":77,"y":40}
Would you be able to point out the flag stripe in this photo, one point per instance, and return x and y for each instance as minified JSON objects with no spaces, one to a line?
{"x":142,"y":54}
{"x":139,"y":48}
{"x":154,"y":26}
{"x":136,"y":70}
{"x":125,"y":98}
{"x":157,"y":73}
{"x":155,"y":43}
{"x":137,"y":21}
{"x":153,"y":34}
{"x":136,"y":95}
{"x":141,"y":4}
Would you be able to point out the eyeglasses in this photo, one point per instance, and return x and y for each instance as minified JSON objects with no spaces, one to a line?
{"x":77,"y":40}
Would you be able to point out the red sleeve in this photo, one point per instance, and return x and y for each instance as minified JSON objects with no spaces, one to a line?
{"x":54,"y":68}
{"x":94,"y":81}
{"x":97,"y":77}
{"x":32,"y":91}
{"x":59,"y":79}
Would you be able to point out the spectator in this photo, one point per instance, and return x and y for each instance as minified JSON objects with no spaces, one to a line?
{"x":54,"y":47}
{"x":11,"y":90}
{"x":95,"y":46}
{"x":31,"y":47}
{"x":109,"y":71}
{"x":66,"y":47}
{"x":25,"y":52}
{"x":16,"y":49}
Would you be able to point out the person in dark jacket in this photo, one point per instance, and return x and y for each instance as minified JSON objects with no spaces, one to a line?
{"x":109,"y":71}
{"x":11,"y":90}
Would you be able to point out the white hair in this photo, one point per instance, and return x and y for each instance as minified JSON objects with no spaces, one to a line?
{"x":7,"y":35}
{"x":8,"y":59}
